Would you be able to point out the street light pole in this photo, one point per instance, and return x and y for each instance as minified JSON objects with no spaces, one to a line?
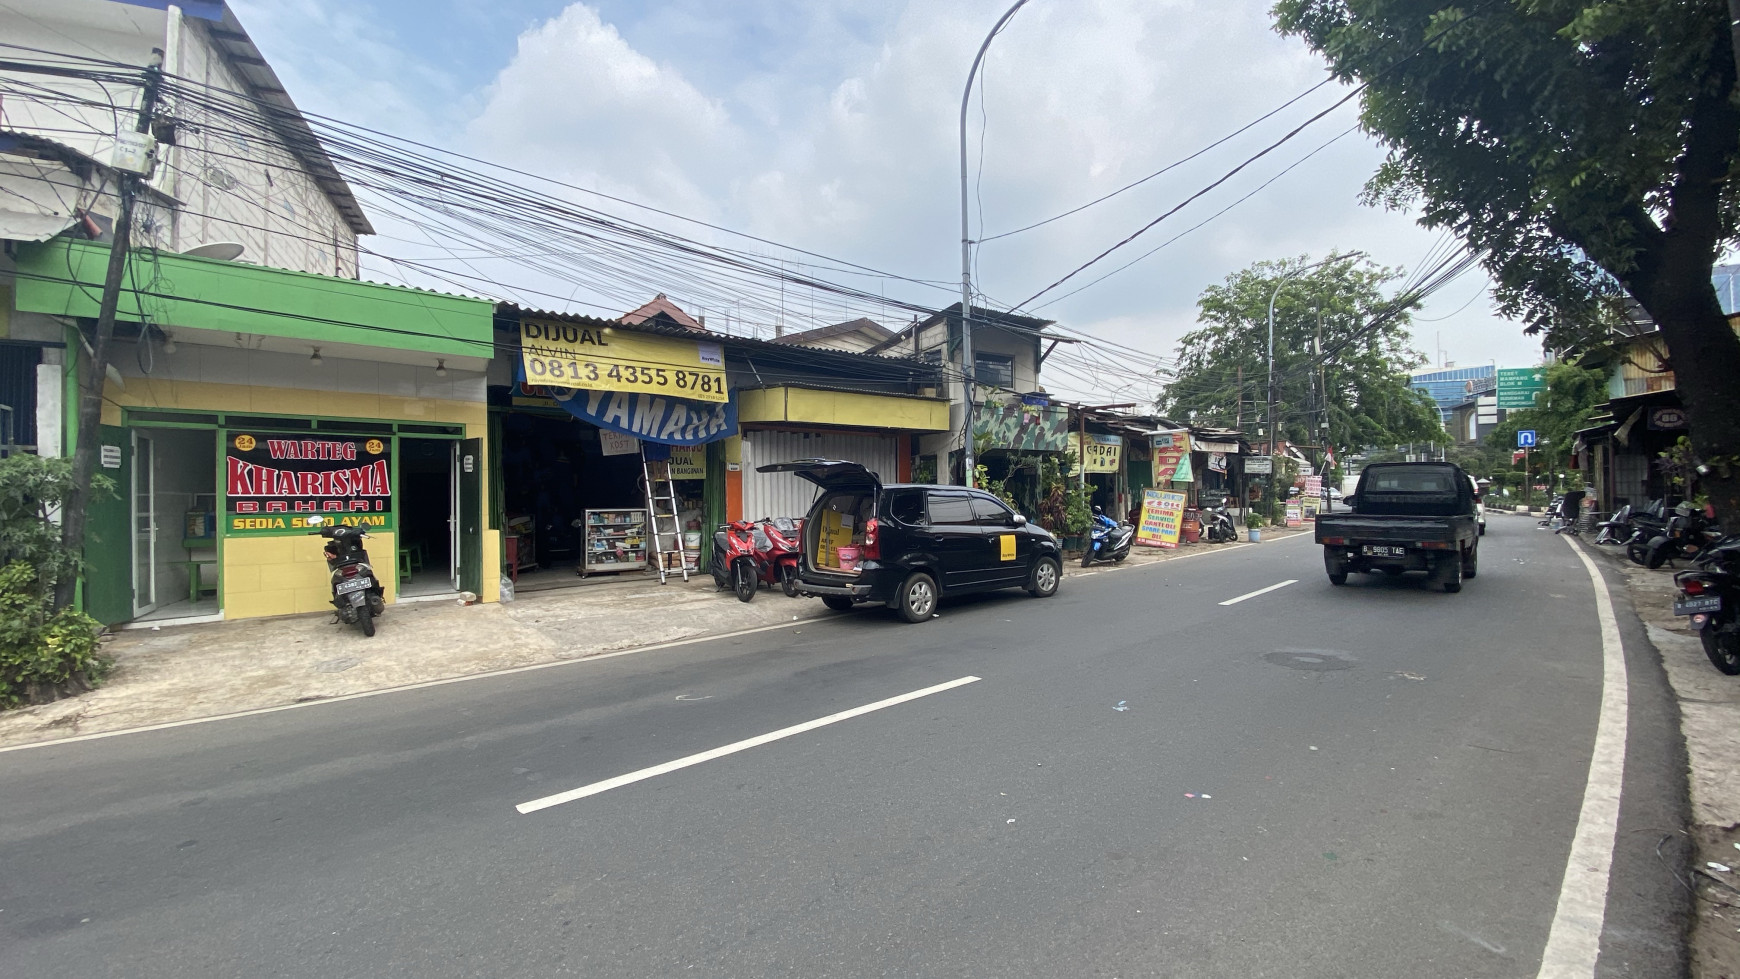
{"x":967,"y":255}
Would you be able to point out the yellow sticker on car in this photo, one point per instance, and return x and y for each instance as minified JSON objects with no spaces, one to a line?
{"x":1006,"y":542}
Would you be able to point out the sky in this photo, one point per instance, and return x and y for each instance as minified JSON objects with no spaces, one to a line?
{"x":831,"y":125}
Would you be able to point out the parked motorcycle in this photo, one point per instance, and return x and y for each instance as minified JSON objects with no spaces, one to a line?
{"x":1110,"y":541}
{"x":779,"y":543}
{"x":1646,"y":526}
{"x":735,"y":564}
{"x":1710,"y":594}
{"x":357,"y":594}
{"x":1615,"y":529}
{"x":1688,"y":533}
{"x":1217,"y":524}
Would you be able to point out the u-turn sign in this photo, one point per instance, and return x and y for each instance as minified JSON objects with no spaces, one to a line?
{"x":1525,"y":438}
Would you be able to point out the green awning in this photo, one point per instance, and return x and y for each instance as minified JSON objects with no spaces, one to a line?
{"x":64,"y":277}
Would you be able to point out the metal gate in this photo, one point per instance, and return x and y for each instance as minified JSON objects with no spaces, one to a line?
{"x":788,"y":495}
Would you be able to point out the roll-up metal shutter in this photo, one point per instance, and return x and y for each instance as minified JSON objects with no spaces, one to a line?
{"x":789,"y":495}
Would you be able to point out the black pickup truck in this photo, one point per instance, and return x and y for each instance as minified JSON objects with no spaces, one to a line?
{"x":1409,"y":516}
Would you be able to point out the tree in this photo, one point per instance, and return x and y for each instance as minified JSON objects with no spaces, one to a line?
{"x":1339,"y":309}
{"x":1583,"y":148}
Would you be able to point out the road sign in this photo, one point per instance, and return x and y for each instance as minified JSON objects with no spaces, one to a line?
{"x":1517,"y":386}
{"x":1525,"y":438}
{"x":1259,"y":465}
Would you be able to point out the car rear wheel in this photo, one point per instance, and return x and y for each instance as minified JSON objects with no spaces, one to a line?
{"x":918,"y":597}
{"x":1338,"y":578}
{"x":1046,"y":574}
{"x":838,"y":603}
{"x":1471,"y":563}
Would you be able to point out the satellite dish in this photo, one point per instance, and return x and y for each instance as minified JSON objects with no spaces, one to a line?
{"x":223,"y":251}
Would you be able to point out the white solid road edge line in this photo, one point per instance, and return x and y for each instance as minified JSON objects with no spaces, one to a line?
{"x":731,"y":749}
{"x":1261,"y":591}
{"x":1574,"y":942}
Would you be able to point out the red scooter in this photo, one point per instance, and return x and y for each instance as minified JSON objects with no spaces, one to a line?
{"x":747,"y":555}
{"x":783,"y":544}
{"x":735,"y":564}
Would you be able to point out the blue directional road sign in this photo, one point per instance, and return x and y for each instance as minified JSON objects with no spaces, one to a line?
{"x":1525,"y":438}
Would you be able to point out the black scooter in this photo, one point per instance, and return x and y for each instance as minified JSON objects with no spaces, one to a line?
{"x":1710,"y":594}
{"x":1110,"y":542}
{"x":357,"y":594}
{"x":1688,"y":533}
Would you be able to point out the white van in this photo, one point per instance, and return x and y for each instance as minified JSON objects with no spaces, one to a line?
{"x":1479,"y":504}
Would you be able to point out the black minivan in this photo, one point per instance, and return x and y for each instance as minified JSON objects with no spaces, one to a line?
{"x":909,"y":544}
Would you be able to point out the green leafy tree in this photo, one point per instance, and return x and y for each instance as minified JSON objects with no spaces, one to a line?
{"x":1571,"y":394}
{"x":1361,"y":375}
{"x":1583,"y":148}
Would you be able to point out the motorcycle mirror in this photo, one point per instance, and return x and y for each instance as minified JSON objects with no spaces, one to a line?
{"x":316,"y":521}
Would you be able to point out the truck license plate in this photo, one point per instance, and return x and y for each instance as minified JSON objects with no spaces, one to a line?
{"x":1383,"y":550}
{"x":354,"y":584}
{"x":1692,"y":606}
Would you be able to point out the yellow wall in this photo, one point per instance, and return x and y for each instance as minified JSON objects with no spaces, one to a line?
{"x":845,"y":408}
{"x":286,"y":575}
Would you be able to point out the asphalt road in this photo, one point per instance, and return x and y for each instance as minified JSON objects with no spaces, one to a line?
{"x":1387,"y":781}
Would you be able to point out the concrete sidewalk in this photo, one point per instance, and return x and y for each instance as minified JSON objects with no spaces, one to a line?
{"x":1709,"y":706}
{"x":180,"y":673}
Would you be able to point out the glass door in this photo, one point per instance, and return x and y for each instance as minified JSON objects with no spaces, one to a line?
{"x":144,"y":526}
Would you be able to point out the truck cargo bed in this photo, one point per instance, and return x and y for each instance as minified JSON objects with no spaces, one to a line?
{"x":1354,"y":528}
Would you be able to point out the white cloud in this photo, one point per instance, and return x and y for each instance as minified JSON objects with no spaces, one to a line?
{"x":578,"y":103}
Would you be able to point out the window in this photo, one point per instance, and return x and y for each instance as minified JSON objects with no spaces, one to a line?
{"x":907,"y":506}
{"x":950,"y":508}
{"x":994,"y":370}
{"x":932,"y":356}
{"x":991,"y":513}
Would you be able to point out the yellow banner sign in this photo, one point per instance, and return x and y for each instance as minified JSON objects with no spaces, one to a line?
{"x":594,"y":358}
{"x":1162,"y":517}
{"x":688,"y":462}
{"x":1104,"y":453}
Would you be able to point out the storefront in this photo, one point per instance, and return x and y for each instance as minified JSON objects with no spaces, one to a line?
{"x":578,"y":409}
{"x":788,"y":422}
{"x":249,"y":399}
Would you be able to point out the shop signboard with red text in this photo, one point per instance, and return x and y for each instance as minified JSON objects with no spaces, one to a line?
{"x":274,"y":482}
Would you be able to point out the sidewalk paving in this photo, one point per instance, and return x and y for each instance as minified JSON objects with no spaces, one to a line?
{"x":1709,"y":705}
{"x":180,"y":673}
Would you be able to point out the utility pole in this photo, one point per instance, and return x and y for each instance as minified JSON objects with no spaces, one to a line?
{"x":95,"y":375}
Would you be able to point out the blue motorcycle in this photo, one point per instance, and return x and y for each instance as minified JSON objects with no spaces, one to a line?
{"x":1110,"y":541}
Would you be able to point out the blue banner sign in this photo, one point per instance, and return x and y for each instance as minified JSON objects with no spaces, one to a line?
{"x":648,"y":417}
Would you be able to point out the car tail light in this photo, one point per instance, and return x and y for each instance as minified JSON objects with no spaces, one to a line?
{"x":349,"y":571}
{"x":1335,"y":540}
{"x":1433,"y":545}
{"x":871,"y":548}
{"x":1692,"y":586}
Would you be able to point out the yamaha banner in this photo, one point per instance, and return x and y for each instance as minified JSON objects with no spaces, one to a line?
{"x":648,"y":417}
